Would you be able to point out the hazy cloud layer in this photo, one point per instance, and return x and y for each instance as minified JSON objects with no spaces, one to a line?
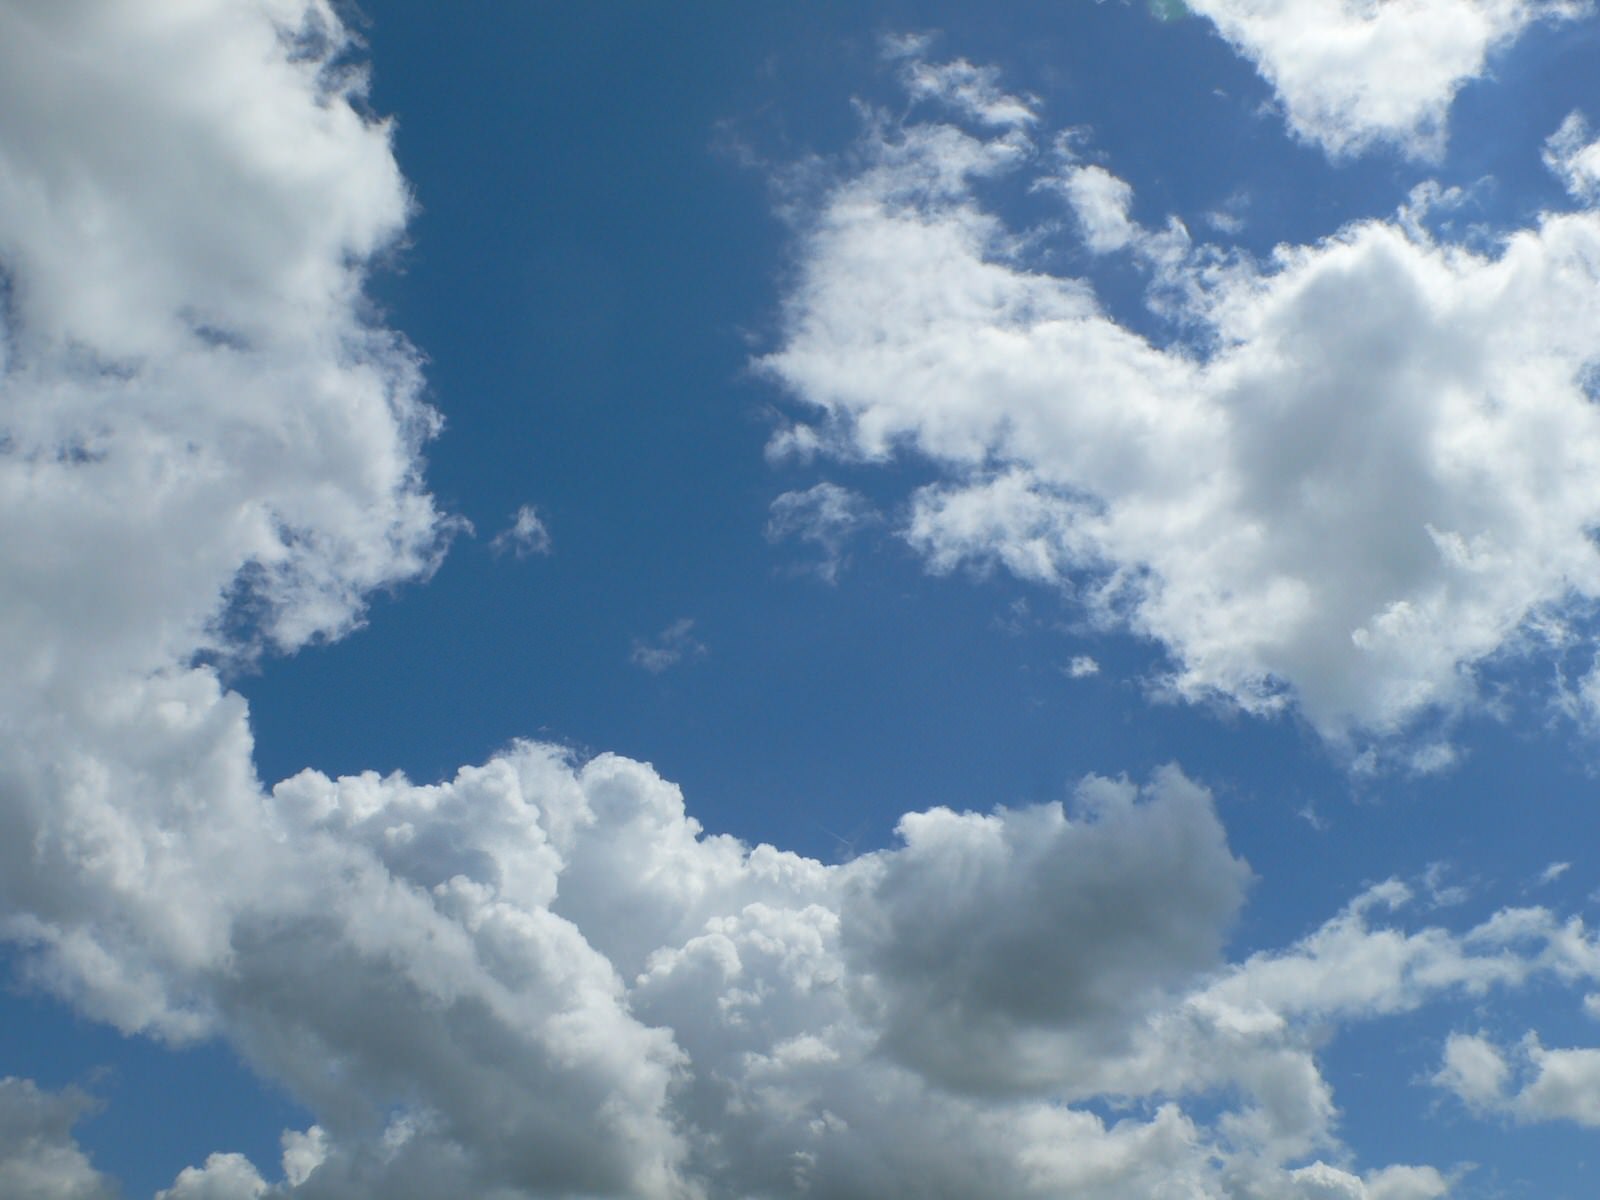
{"x":1362,"y":471}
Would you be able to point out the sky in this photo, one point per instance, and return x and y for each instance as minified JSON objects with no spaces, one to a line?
{"x":732,"y":601}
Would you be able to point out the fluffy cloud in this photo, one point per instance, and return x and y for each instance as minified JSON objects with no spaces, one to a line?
{"x":1555,"y":1085}
{"x":1360,"y":474}
{"x":1353,"y":72}
{"x":538,"y":978}
{"x":38,"y":1156}
{"x":963,"y":931}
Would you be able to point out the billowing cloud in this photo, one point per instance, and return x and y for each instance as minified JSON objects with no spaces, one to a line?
{"x":1361,"y":473}
{"x":541,"y":977}
{"x":39,"y":1158}
{"x":1350,"y":73}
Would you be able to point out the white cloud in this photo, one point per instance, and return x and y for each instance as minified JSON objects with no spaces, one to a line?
{"x":668,"y":648}
{"x":525,"y":535}
{"x":1565,"y":1086}
{"x":970,"y":90}
{"x":538,"y":977}
{"x":1575,"y":158}
{"x":1474,"y":1069}
{"x":224,"y":1177}
{"x":1350,"y":73}
{"x":1554,"y":872}
{"x":1101,"y":202}
{"x":39,"y":1158}
{"x":1365,"y":476}
{"x":825,"y":515}
{"x":1082,"y":667}
{"x":1555,"y":1085}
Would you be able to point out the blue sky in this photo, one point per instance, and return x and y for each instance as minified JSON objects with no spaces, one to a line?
{"x":830,"y":600}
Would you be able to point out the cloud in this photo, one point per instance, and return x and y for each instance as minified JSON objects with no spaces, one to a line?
{"x":1555,"y":1085}
{"x":971,"y":90}
{"x":526,"y":534}
{"x":1082,"y":667}
{"x":1474,"y":1069}
{"x":1100,"y":200}
{"x":1575,"y":157}
{"x":973,"y":982}
{"x":539,"y":976}
{"x":1350,"y":73}
{"x":669,"y":647}
{"x":1358,"y":476}
{"x":826,"y":515}
{"x":1553,"y":872}
{"x":39,"y":1158}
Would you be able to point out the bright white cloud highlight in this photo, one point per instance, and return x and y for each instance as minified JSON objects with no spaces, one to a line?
{"x":1350,"y":73}
{"x":1366,"y":475}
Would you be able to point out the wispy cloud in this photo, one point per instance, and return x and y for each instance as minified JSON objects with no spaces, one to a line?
{"x":525,"y":535}
{"x":827,"y":516}
{"x":668,"y":648}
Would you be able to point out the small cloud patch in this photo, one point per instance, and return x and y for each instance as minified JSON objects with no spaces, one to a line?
{"x":527,"y":534}
{"x":668,"y":648}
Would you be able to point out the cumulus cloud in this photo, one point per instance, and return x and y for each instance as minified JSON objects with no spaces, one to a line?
{"x":525,"y":535}
{"x":974,"y":983}
{"x":668,"y":648}
{"x":1360,"y":475}
{"x":1350,"y":73}
{"x":1529,"y":1082}
{"x":539,"y":977}
{"x":1082,"y":667}
{"x":39,"y":1158}
{"x":826,"y":515}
